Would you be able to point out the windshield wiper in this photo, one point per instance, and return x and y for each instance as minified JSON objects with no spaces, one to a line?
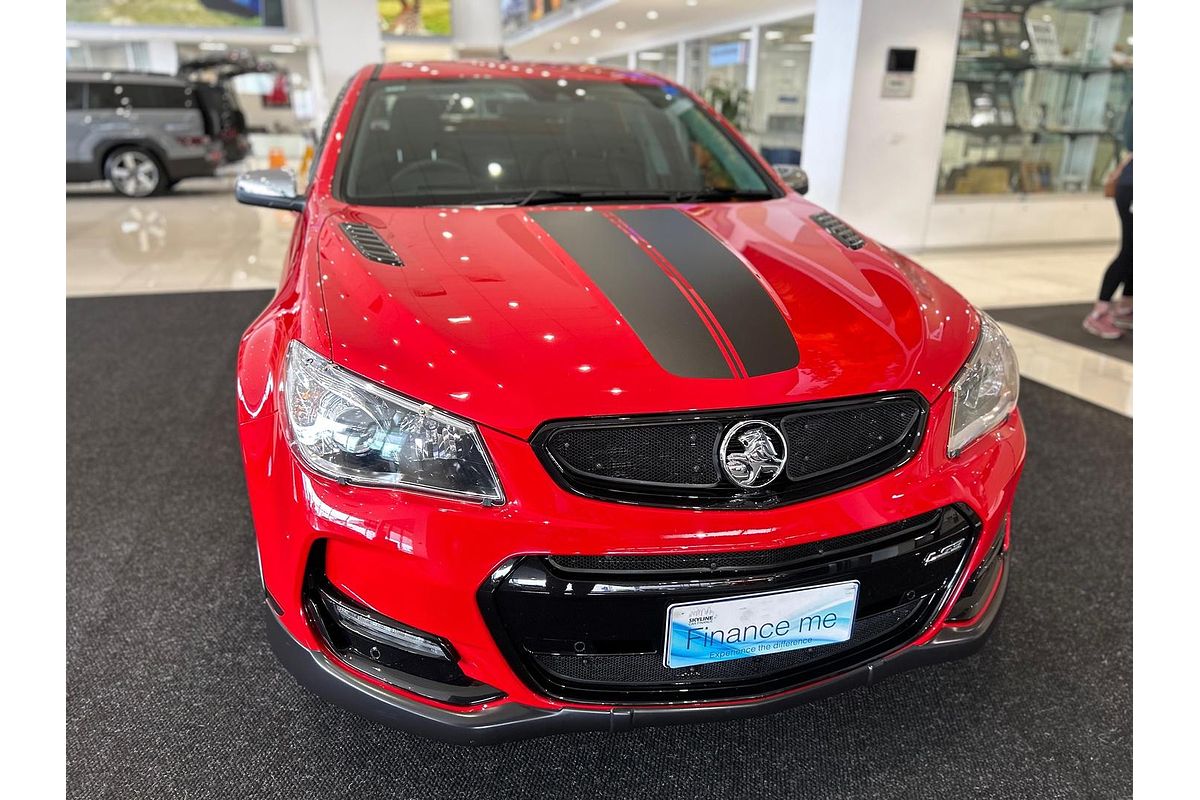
{"x":709,"y":193}
{"x":547,"y":196}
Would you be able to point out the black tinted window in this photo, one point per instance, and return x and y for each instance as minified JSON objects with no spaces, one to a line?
{"x":103,"y":96}
{"x":138,"y":95}
{"x":74,"y":96}
{"x":468,"y":141}
{"x":150,"y":96}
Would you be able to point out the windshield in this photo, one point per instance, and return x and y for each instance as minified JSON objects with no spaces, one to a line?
{"x":443,"y":142}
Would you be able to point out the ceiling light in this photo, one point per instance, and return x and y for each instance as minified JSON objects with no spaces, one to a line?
{"x":283,"y":48}
{"x":745,"y":35}
{"x":651,"y":55}
{"x":620,"y":25}
{"x":467,"y":103}
{"x":772,"y":36}
{"x":556,"y":46}
{"x":594,"y":33}
{"x":693,"y":3}
{"x":574,"y":40}
{"x":651,"y":15}
{"x":213,"y":46}
{"x":495,"y":170}
{"x":808,"y":37}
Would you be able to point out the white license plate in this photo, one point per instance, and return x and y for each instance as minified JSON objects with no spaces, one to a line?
{"x":759,"y":624}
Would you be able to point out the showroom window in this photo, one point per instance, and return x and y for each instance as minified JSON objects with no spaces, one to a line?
{"x":662,"y":61}
{"x":1039,"y":98}
{"x":718,"y":69}
{"x":777,"y":107}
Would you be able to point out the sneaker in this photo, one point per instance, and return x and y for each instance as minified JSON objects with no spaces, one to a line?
{"x":1100,"y":323}
{"x":1122,"y":313}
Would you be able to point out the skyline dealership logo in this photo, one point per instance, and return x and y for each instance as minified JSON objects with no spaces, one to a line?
{"x":753,"y":453}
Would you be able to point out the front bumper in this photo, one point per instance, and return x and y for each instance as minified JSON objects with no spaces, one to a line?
{"x":421,"y":560}
{"x":508,"y":721}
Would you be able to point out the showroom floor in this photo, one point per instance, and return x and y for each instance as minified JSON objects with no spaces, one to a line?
{"x":172,"y":690}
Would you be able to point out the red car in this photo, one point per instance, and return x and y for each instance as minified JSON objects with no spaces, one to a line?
{"x":571,"y":414}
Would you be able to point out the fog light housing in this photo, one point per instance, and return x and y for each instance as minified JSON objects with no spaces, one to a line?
{"x":983,"y":580}
{"x":386,"y":649}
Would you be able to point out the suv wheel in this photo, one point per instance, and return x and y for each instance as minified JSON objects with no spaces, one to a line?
{"x":134,"y":172}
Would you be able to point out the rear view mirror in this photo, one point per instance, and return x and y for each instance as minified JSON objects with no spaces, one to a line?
{"x":793,"y":176}
{"x":270,"y":188}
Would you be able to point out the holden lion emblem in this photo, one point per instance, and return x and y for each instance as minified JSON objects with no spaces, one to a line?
{"x":753,"y":453}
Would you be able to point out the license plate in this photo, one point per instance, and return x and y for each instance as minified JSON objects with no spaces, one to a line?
{"x":753,"y":625}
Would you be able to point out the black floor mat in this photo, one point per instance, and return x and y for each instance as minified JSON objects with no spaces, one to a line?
{"x":1066,"y":324}
{"x":172,"y":691}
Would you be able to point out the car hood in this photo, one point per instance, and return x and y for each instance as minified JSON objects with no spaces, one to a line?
{"x":514,"y":316}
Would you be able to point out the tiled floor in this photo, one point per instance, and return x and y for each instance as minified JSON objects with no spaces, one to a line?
{"x":198,"y":239}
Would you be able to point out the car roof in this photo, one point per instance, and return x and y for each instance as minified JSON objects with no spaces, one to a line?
{"x":490,"y":69}
{"x":124,"y":76}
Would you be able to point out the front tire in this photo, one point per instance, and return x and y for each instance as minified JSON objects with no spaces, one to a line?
{"x":134,"y":172}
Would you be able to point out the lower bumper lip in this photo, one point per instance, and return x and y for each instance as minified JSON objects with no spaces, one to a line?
{"x":510,"y":721}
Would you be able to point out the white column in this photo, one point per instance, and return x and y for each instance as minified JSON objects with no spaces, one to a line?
{"x":681,"y":62}
{"x":476,"y":25}
{"x":347,"y":37}
{"x":873,"y":160}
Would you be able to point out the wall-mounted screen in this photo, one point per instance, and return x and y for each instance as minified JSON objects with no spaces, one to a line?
{"x":178,"y":13}
{"x":415,"y":17}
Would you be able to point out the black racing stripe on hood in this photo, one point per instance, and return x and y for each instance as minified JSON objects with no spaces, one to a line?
{"x":650,"y":302}
{"x":739,"y":302}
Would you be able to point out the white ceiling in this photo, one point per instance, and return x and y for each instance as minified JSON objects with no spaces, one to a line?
{"x":624,"y":25}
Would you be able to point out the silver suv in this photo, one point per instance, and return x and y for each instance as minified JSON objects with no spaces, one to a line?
{"x":141,"y":132}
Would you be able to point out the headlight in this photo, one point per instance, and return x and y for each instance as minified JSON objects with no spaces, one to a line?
{"x":348,"y":428}
{"x":985,"y":391}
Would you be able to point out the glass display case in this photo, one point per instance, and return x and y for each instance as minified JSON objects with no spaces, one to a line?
{"x":1039,"y":98}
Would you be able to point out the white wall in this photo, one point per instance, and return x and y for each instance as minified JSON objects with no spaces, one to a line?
{"x":870,"y":159}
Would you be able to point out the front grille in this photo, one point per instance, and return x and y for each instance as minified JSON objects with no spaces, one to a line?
{"x":647,"y":668}
{"x":745,"y":560}
{"x":591,"y":629}
{"x":674,"y":460}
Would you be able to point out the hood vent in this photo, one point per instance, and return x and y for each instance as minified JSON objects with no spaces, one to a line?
{"x":371,"y":244}
{"x":840,"y":230}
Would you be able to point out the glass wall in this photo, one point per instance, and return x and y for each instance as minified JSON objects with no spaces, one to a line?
{"x":662,"y":61}
{"x":1039,"y":97}
{"x":777,"y":108}
{"x":718,"y":68}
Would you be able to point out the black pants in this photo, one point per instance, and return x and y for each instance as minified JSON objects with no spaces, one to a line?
{"x":1120,"y":271}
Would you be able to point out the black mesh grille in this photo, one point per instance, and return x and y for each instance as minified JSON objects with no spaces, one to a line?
{"x":648,"y":667}
{"x":675,"y":461}
{"x":829,"y":440}
{"x":371,"y":244}
{"x":600,"y":638}
{"x":746,"y":560}
{"x":839,"y":230}
{"x":673,"y":454}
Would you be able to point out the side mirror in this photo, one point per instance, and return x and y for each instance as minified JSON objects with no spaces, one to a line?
{"x":793,"y":176}
{"x":270,"y":188}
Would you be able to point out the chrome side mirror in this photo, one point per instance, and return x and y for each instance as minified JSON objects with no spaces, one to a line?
{"x":793,"y":176}
{"x":270,"y":188}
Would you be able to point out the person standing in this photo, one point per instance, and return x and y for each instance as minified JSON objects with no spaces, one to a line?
{"x":1109,"y":317}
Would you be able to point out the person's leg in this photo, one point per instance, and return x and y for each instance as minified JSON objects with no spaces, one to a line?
{"x":1100,"y":321}
{"x":1122,"y":307}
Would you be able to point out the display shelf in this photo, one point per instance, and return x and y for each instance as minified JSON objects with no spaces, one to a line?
{"x":1040,"y":90}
